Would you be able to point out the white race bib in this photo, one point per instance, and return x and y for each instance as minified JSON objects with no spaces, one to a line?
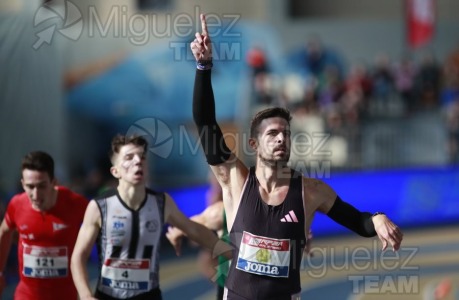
{"x":127,"y":274}
{"x":264,"y":256}
{"x":45,"y":262}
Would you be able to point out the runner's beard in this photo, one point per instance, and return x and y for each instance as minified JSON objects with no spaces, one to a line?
{"x":279,"y":163}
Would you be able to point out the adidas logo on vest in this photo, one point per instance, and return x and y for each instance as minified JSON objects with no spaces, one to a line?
{"x":290,"y":218}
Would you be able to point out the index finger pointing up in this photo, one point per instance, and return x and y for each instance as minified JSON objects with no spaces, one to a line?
{"x":203,"y":25}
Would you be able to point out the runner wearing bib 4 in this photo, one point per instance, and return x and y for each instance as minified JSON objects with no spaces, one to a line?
{"x":129,"y":242}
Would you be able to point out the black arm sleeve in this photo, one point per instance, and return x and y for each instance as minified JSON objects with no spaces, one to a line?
{"x":210,"y":134}
{"x":348,"y":216}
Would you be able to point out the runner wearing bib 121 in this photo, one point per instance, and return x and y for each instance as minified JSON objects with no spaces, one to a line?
{"x":47,"y":218}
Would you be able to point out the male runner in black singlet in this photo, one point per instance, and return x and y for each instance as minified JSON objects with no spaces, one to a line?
{"x":269,"y":207}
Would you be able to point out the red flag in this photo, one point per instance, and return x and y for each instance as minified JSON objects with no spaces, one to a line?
{"x":421,"y":21}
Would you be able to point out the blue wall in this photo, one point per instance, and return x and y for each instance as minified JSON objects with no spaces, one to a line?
{"x":410,"y":197}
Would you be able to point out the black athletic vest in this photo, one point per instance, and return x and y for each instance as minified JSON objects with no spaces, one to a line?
{"x":269,"y":244}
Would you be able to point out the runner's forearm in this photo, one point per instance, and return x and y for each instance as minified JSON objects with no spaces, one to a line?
{"x":210,"y":134}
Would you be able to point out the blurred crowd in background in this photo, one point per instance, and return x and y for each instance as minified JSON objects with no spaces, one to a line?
{"x":321,"y":86}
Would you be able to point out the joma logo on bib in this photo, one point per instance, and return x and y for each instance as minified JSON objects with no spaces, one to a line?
{"x":45,"y":273}
{"x":126,"y":285}
{"x":260,"y":268}
{"x":264,"y":255}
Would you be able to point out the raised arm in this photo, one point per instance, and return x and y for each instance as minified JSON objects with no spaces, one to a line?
{"x":85,"y":241}
{"x":363,"y":223}
{"x":228,"y":169}
{"x":210,"y":134}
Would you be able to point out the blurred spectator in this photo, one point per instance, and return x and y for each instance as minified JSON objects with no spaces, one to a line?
{"x":450,"y":90}
{"x":257,"y":60}
{"x":305,"y":128}
{"x":299,"y":93}
{"x":453,"y":59}
{"x":357,"y":90}
{"x":452,"y":125}
{"x":383,"y":81}
{"x":337,"y":143}
{"x":330,"y":87}
{"x":334,"y":120}
{"x":352,"y":105}
{"x":404,"y":76}
{"x":358,"y":77}
{"x":264,"y":89}
{"x":428,"y":79}
{"x":450,"y":105}
{"x":308,"y":105}
{"x":313,"y":58}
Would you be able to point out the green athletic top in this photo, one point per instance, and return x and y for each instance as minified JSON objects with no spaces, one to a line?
{"x":223,"y":262}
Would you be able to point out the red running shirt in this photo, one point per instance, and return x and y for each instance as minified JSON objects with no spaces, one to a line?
{"x":45,"y":246}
